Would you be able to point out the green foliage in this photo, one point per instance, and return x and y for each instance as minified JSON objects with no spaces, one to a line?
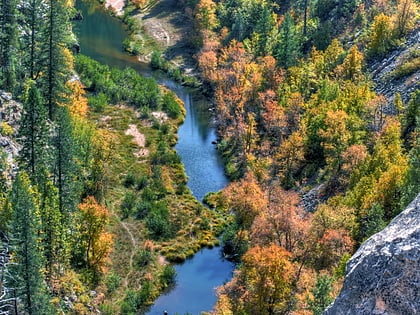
{"x":287,"y":50}
{"x":112,"y":282}
{"x":128,"y":204}
{"x":134,"y":300}
{"x":98,"y":102}
{"x":8,"y":44}
{"x":64,"y":166}
{"x":372,"y":222}
{"x":144,"y":257}
{"x":168,"y":276}
{"x":321,"y":294}
{"x":118,"y":85}
{"x":57,"y":68}
{"x":158,"y":223}
{"x":157,"y":61}
{"x":171,"y":105}
{"x":34,"y":134}
{"x":26,"y":271}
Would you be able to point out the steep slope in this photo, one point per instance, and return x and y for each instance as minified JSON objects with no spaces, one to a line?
{"x":389,"y":74}
{"x":383,"y":276}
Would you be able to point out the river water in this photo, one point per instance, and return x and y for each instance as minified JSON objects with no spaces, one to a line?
{"x":101,"y":37}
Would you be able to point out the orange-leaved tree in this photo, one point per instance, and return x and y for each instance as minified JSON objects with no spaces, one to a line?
{"x":263,"y":285}
{"x":96,"y":242}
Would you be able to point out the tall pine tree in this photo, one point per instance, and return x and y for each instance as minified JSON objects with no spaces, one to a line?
{"x":8,"y":43}
{"x":64,"y":167}
{"x":33,"y":20}
{"x":34,"y":135}
{"x":57,"y":71}
{"x":25,"y":272}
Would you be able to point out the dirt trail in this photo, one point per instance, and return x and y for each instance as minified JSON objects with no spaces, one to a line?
{"x":133,"y":252}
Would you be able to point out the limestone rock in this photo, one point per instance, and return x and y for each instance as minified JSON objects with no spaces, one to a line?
{"x":383,"y":276}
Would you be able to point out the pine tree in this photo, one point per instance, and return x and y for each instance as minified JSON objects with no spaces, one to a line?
{"x":56,"y":251}
{"x":64,"y":167}
{"x":33,"y":23}
{"x":8,"y":43}
{"x":25,"y":272}
{"x":288,"y":47}
{"x":34,"y":134}
{"x":57,"y":69}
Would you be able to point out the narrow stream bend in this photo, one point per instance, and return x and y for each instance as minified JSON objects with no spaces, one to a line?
{"x":101,"y":37}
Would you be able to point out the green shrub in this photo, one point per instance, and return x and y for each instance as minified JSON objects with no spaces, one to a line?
{"x":171,"y":106}
{"x":98,"y":102}
{"x":112,"y":282}
{"x":128,"y":204}
{"x":129,"y":180}
{"x":168,"y":276}
{"x":143,"y":208}
{"x":157,"y":222}
{"x":143,"y":258}
{"x":141,"y":182}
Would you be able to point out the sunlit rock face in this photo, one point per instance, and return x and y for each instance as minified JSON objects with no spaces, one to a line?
{"x":383,"y":276}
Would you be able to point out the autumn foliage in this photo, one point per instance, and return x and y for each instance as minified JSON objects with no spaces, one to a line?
{"x":95,"y":240}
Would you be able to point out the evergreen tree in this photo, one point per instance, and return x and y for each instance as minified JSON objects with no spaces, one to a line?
{"x":64,"y":166}
{"x":57,"y":70}
{"x":33,"y":23}
{"x":25,"y":272}
{"x":287,"y":50}
{"x":321,"y":294}
{"x":34,"y":134}
{"x":53,"y":232}
{"x":265,"y":32}
{"x":8,"y":43}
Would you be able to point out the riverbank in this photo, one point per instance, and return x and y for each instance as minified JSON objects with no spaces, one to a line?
{"x":155,"y":217}
{"x":161,"y":33}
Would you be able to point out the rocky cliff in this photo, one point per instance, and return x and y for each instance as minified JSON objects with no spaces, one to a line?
{"x":10,"y":112}
{"x":383,"y":276}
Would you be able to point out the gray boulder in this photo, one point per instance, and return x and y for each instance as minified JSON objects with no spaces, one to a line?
{"x":383,"y":276}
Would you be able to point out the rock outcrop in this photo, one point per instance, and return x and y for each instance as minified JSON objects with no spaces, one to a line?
{"x":10,"y":113}
{"x":381,"y":71}
{"x":383,"y":276}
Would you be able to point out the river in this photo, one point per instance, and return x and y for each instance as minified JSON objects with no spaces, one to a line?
{"x":101,"y":37}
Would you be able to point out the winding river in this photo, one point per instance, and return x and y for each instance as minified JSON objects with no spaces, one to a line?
{"x":101,"y":37}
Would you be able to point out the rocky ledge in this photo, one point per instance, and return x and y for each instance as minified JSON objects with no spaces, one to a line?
{"x":383,"y":276}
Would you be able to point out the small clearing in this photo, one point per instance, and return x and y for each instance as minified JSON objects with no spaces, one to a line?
{"x":139,"y":139}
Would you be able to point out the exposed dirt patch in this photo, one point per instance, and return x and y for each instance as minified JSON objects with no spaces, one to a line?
{"x":160,"y":116}
{"x":116,"y":6}
{"x":168,"y":25}
{"x":139,"y":139}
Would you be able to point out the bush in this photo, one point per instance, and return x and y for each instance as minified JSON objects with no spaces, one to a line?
{"x":128,"y":204}
{"x":168,"y":276}
{"x":157,"y":221}
{"x":112,"y":282}
{"x":171,"y":106}
{"x":141,"y":182}
{"x":98,"y":102}
{"x":143,"y":258}
{"x":129,"y":180}
{"x":142,"y":209}
{"x":6,"y":129}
